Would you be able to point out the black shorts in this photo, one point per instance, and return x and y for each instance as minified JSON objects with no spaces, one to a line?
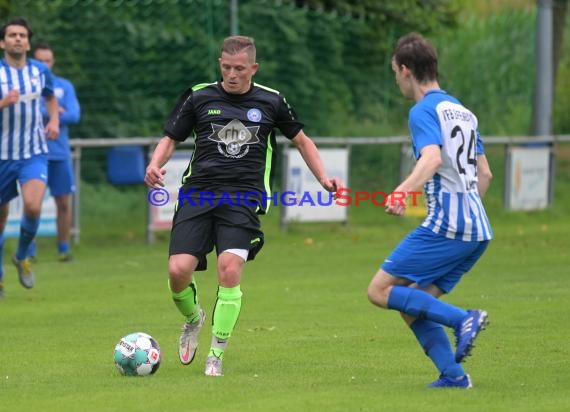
{"x":196,"y":229}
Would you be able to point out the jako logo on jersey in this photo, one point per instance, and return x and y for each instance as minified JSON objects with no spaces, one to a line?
{"x":254,"y":115}
{"x":214,"y":111}
{"x":235,"y":136}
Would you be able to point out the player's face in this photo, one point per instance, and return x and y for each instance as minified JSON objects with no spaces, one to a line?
{"x":237,"y":71}
{"x":45,"y":56}
{"x":16,"y":42}
{"x":403,"y":79}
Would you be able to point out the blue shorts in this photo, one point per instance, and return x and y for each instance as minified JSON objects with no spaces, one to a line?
{"x":14,"y":171}
{"x":425,"y":257}
{"x":60,"y":177}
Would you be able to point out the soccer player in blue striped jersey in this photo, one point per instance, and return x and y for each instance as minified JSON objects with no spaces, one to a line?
{"x":60,"y":170}
{"x":23,"y":148}
{"x":431,"y":260}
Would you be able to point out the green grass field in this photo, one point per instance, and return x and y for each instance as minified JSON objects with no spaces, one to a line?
{"x":307,"y":338}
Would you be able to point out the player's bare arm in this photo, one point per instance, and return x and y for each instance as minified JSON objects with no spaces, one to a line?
{"x":52,"y":126}
{"x":428,"y":163}
{"x":313,"y":160}
{"x":484,"y":175}
{"x":154,"y":176}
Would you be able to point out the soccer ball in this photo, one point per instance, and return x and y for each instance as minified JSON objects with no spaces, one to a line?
{"x":137,"y":354}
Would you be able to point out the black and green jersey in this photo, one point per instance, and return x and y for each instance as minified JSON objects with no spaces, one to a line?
{"x":234,"y":136}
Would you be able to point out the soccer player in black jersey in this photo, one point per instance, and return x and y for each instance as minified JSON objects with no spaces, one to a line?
{"x":232,"y":122}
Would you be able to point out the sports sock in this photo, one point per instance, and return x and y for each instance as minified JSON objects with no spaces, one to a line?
{"x":217,"y":347}
{"x":226,"y":313}
{"x":63,"y":247}
{"x":435,"y":342}
{"x":32,"y":249}
{"x":187,"y":302}
{"x":28,"y":229}
{"x":422,"y":305}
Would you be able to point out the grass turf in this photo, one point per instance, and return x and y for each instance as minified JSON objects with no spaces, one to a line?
{"x":307,"y":338}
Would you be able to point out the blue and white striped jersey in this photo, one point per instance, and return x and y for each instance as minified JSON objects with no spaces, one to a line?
{"x":454,"y":207}
{"x":21,"y":125}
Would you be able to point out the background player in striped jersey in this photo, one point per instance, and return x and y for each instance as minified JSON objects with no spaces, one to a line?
{"x":23,"y":147}
{"x":430,"y":261}
{"x":60,"y":171}
{"x":232,"y":122}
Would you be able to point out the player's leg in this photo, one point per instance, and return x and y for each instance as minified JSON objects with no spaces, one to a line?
{"x":8,"y":191}
{"x":227,"y":307}
{"x":63,"y":205}
{"x":190,"y":242}
{"x":422,"y":257}
{"x":477,"y":319}
{"x":3,"y":220}
{"x":385,"y":291}
{"x":184,"y":292}
{"x":33,"y":179}
{"x":238,"y":239}
{"x":61,"y":185}
{"x":436,"y":345}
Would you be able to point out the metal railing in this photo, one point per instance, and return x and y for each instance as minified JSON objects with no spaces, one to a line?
{"x":148,"y":143}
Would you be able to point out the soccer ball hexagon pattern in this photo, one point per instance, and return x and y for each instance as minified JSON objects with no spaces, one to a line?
{"x":137,"y":354}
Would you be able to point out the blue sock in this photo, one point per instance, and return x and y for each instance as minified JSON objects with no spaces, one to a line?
{"x":422,"y":305}
{"x":435,"y":343}
{"x":32,"y":249}
{"x":1,"y":256}
{"x":63,"y":247}
{"x":28,"y":229}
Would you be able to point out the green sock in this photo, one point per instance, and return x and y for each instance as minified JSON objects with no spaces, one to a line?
{"x":187,"y":302}
{"x":226,"y":313}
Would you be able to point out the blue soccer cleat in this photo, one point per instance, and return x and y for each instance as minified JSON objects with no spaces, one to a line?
{"x":463,"y":382}
{"x":467,"y":331}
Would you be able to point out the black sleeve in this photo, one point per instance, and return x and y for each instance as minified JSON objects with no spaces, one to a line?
{"x":182,"y":120}
{"x":287,"y":120}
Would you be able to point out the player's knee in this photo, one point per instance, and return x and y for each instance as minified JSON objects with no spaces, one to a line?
{"x":63,"y":207}
{"x":33,"y":211}
{"x":3,"y":216}
{"x":377,"y":295}
{"x":230,"y":267}
{"x":229,"y":275}
{"x":179,"y":272}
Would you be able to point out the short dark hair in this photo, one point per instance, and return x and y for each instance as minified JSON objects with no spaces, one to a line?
{"x":43,"y":45}
{"x":418,"y":55}
{"x":237,"y":44}
{"x":16,"y":21}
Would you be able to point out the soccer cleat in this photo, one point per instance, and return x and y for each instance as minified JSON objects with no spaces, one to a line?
{"x":188,"y":342}
{"x":467,"y":331}
{"x":213,"y":366}
{"x":65,"y":257}
{"x":24,"y":272}
{"x":1,"y":290}
{"x":463,"y":382}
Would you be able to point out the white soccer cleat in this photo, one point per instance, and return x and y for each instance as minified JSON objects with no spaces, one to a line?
{"x":213,"y":366}
{"x":188,"y":342}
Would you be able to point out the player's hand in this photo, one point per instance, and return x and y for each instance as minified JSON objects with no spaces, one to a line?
{"x":332,"y":185}
{"x":396,"y":206}
{"x":11,"y":98}
{"x":51,"y":130}
{"x":154,"y":176}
